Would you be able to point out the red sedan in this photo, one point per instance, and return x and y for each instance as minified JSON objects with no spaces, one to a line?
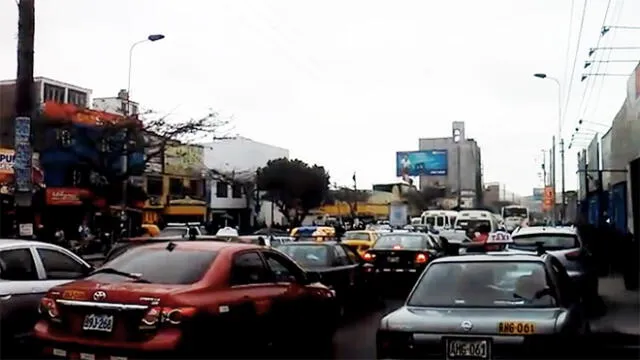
{"x":193,"y":298}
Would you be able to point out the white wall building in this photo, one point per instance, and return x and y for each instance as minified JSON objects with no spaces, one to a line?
{"x":239,"y":157}
{"x":116,"y":105}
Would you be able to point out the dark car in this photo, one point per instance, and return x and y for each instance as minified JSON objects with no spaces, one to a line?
{"x":340,"y":268}
{"x":398,"y":259}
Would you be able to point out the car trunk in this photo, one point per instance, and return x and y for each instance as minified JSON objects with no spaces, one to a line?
{"x":109,"y":311}
{"x":392,"y":259}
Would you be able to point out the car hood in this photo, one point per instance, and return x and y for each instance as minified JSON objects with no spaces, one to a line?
{"x":483,"y":320}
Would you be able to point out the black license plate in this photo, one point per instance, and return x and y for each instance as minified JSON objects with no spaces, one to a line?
{"x":468,"y":348}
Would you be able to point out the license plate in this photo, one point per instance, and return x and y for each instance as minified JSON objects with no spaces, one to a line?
{"x":467,"y":349}
{"x":393,"y":259}
{"x":516,"y":328}
{"x":95,"y":322}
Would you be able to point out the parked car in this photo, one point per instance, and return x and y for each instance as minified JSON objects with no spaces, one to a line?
{"x":564,"y":243}
{"x":28,"y":269}
{"x":340,"y":268}
{"x":487,"y":306}
{"x":188,"y":298}
{"x":360,"y":240}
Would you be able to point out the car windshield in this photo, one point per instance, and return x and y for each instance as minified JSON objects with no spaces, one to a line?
{"x":548,"y":241}
{"x":173,"y":231}
{"x":484,"y":284}
{"x":307,"y":255}
{"x":159,"y":265}
{"x":400,"y":241}
{"x":354,"y":235}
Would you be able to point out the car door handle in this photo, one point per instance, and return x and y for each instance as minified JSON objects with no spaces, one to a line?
{"x":5,"y":297}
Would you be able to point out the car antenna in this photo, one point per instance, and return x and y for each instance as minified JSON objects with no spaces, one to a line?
{"x":171,"y":246}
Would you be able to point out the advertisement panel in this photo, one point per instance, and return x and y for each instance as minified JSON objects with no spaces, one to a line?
{"x":593,"y":162}
{"x":398,"y":214}
{"x":186,"y":160}
{"x":7,"y":162}
{"x":538,"y":194}
{"x":605,"y":153}
{"x":424,"y":162}
{"x":549,"y":199}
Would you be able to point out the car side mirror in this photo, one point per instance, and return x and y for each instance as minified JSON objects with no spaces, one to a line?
{"x":313,"y":277}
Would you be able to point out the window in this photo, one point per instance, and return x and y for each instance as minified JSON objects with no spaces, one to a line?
{"x":247,"y":269}
{"x":159,"y":265}
{"x":222,"y":189}
{"x":484,"y":284}
{"x":59,"y":266}
{"x":356,"y":235}
{"x":414,"y":242}
{"x":154,"y":185}
{"x":282,"y":269}
{"x":174,"y":231}
{"x":17,"y":265}
{"x":307,"y":254}
{"x":63,"y":137}
{"x":550,"y":242}
{"x":176,"y":186}
{"x":340,"y":256}
{"x":236,"y":191}
{"x":77,"y":98}
{"x":440,"y":221}
{"x":195,"y":188}
{"x":53,"y":93}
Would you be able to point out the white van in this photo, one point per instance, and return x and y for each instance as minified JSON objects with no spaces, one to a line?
{"x":439,"y":219}
{"x":469,"y":220}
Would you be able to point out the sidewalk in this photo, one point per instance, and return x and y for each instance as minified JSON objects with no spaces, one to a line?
{"x":623,"y":308}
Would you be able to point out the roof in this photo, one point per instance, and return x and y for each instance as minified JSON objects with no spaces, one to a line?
{"x":11,"y":242}
{"x":206,"y":245}
{"x":533,"y":230}
{"x":492,"y":256}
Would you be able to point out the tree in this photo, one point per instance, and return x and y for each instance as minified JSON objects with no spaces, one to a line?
{"x":424,"y":198}
{"x":350,"y":196}
{"x":294,"y":187}
{"x":102,"y":144}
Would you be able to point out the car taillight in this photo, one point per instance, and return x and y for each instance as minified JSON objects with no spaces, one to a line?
{"x":49,"y":308}
{"x":369,"y":256}
{"x":574,"y":255}
{"x":161,"y":315}
{"x":422,"y":258}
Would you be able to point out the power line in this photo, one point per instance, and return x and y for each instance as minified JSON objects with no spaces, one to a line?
{"x":566,"y":55}
{"x":575,"y":59}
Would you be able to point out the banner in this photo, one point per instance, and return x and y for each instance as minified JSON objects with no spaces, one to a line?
{"x":424,"y":162}
{"x":66,"y":196}
{"x":549,"y":199}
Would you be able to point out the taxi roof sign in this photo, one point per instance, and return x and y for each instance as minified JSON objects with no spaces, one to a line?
{"x":499,"y":237}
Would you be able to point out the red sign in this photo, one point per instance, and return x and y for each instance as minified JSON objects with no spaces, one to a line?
{"x":549,"y":199}
{"x":66,"y":196}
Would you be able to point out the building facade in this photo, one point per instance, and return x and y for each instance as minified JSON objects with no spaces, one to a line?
{"x":470,"y":185}
{"x":120,"y":105}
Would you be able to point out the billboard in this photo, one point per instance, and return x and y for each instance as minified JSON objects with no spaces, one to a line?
{"x":186,"y":160}
{"x":424,"y":162}
{"x":538,"y":194}
{"x":548,"y":201}
{"x":593,"y":162}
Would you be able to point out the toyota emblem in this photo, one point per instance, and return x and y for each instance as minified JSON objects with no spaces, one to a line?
{"x":99,"y":295}
{"x":465,"y":325}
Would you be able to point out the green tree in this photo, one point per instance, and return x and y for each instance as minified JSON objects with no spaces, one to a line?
{"x":294,"y":187}
{"x":424,"y":198}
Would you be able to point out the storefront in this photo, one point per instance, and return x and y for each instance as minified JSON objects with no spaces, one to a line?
{"x":185,"y":210}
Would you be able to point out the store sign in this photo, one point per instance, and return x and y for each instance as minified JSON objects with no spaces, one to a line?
{"x":66,"y":196}
{"x":7,"y":157}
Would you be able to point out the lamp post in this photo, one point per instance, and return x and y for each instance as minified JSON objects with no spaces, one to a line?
{"x":125,"y":152}
{"x":457,"y":134}
{"x":559,"y":135}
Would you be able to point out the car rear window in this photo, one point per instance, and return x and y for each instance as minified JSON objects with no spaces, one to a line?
{"x":484,"y":284}
{"x":307,"y":255}
{"x":159,"y":266}
{"x":175,"y":231}
{"x":401,"y":241}
{"x":549,"y":241}
{"x":471,"y":224}
{"x":351,"y":235}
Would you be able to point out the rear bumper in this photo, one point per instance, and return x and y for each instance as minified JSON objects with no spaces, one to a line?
{"x":165,"y":341}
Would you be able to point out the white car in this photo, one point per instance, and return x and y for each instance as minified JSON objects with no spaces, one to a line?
{"x":28,"y":269}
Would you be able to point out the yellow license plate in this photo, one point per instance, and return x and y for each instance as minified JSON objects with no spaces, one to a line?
{"x":516,"y":328}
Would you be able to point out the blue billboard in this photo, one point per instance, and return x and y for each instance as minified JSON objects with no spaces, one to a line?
{"x":425,"y":162}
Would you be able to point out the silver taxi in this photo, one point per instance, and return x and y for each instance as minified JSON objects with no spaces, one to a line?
{"x":484,"y":306}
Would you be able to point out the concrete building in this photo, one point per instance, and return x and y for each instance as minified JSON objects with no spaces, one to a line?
{"x":470,"y":166}
{"x":238,"y":158}
{"x":117,"y":105}
{"x":45,"y":90}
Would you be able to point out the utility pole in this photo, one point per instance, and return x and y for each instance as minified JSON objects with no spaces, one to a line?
{"x":562,"y":205}
{"x":24,"y":109}
{"x":553,"y":179}
{"x":355,"y":196}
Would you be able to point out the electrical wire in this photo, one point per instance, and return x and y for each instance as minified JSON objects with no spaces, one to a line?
{"x":575,"y":59}
{"x":566,"y":55}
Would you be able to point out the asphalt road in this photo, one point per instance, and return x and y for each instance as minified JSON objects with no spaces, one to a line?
{"x":356,"y":338}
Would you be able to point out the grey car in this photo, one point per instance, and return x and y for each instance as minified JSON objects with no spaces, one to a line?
{"x":485,"y":306}
{"x":565,"y":244}
{"x":28,"y":269}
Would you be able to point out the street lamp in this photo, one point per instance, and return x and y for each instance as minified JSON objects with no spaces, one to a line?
{"x":559,"y":135}
{"x":457,"y":136}
{"x":125,"y":152}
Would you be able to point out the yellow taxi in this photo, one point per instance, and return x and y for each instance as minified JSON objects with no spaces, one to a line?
{"x":313,"y":233}
{"x":151,"y":229}
{"x":360,"y":240}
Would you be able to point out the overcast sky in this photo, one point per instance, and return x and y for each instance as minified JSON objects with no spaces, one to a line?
{"x":346,"y":83}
